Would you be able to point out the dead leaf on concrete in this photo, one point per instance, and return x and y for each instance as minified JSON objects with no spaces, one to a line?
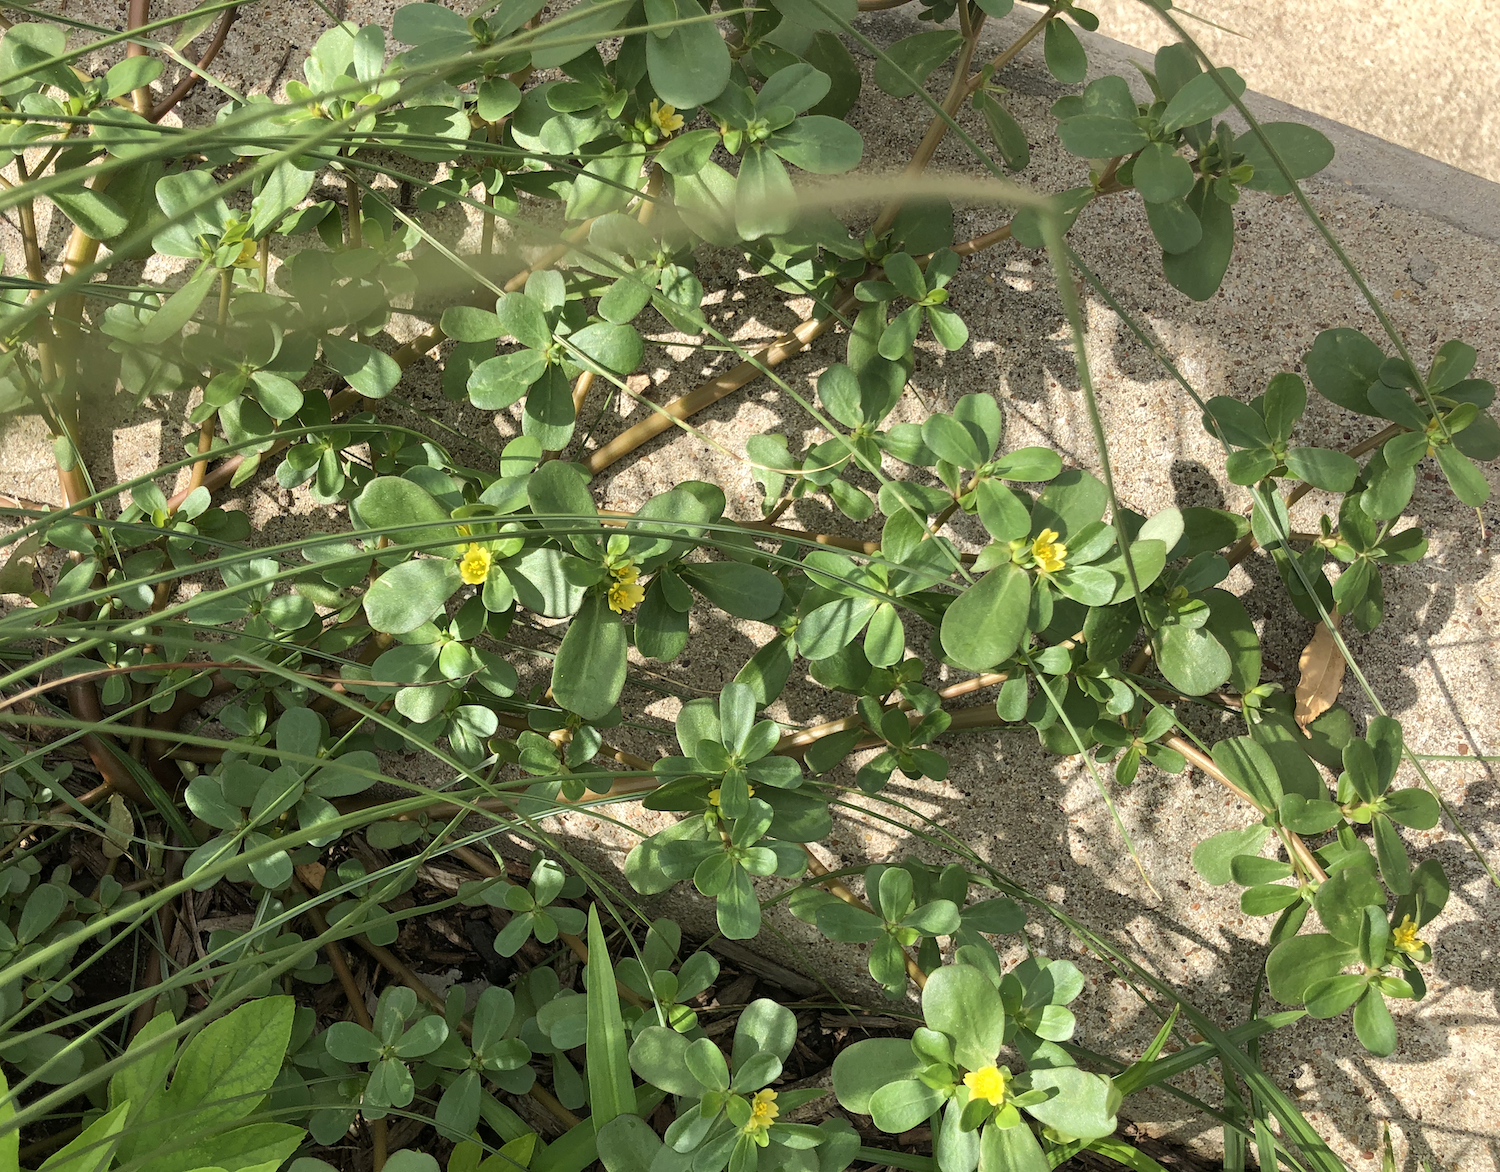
{"x":1322,"y":678}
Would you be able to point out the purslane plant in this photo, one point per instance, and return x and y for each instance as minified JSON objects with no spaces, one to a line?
{"x":240,"y":698}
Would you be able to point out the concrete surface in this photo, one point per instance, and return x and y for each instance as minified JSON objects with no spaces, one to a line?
{"x":1425,"y":75}
{"x":1034,"y":816}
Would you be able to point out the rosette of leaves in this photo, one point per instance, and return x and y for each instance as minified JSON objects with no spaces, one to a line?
{"x":1384,"y":950}
{"x":1365,"y":544}
{"x":555,"y":345}
{"x":726,"y":1114}
{"x":928,"y":293}
{"x":1447,"y":419}
{"x":650,"y":975}
{"x":859,"y":402}
{"x":554,"y":1020}
{"x":1055,"y":548}
{"x":845,"y":599}
{"x":641,"y":268}
{"x":1201,"y":635}
{"x":248,"y":595}
{"x":347,"y":79}
{"x":895,"y":922}
{"x":951,"y":1065}
{"x":244,"y":951}
{"x":1135,"y":737}
{"x":466,"y":45}
{"x":462,"y":1068}
{"x":251,"y":806}
{"x":1187,"y":202}
{"x":1273,"y":767}
{"x":400,"y":1034}
{"x":764,"y":128}
{"x":667,"y":529}
{"x":448,"y":682}
{"x":904,"y":738}
{"x":749,"y":815}
{"x":1365,"y":797}
{"x":434,"y":513}
{"x":540,"y":756}
{"x":1261,"y":430}
{"x":531,"y":906}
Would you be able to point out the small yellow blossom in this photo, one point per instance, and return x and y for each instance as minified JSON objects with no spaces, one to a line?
{"x":474,"y":567}
{"x":763,"y":1112}
{"x":665,"y":118}
{"x":626,"y":573}
{"x":248,"y":255}
{"x":988,"y":1082}
{"x":1405,"y":938}
{"x":715,"y":795}
{"x":1051,"y":554}
{"x":625,"y":596}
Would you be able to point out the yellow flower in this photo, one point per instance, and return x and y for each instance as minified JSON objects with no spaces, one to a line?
{"x":1051,"y":554}
{"x":474,"y":566}
{"x":626,"y":573}
{"x":625,"y":596}
{"x":665,"y":118}
{"x":715,"y":794}
{"x":763,"y":1112}
{"x":987,"y":1083}
{"x":1404,"y":936}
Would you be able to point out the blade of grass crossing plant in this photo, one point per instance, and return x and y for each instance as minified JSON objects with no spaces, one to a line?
{"x":610,"y":1089}
{"x":1123,"y":1153}
{"x":1146,"y":1061}
{"x":906,"y":1161}
{"x":1265,"y":1142}
{"x":1069,"y":296}
{"x":10,"y":1141}
{"x":1088,"y":760}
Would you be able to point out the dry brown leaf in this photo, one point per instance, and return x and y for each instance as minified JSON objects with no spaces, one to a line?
{"x":1322,"y":678}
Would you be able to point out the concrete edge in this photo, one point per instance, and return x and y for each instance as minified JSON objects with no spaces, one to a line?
{"x":1363,"y":163}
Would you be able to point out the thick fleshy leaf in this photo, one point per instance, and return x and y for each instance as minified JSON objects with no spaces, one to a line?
{"x":960,"y":1001}
{"x":408,"y":595}
{"x":866,"y":1066}
{"x":1098,"y":136}
{"x":387,"y":502}
{"x":908,"y":63}
{"x":369,"y":371}
{"x":819,"y":144}
{"x":1343,"y":365}
{"x":1199,"y":270}
{"x":690,"y":65}
{"x":1303,"y":149}
{"x":984,"y":626}
{"x":1082,"y":1104}
{"x":1201,"y":98}
{"x":1161,"y":174}
{"x":589,"y":671}
{"x":765,"y":201}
